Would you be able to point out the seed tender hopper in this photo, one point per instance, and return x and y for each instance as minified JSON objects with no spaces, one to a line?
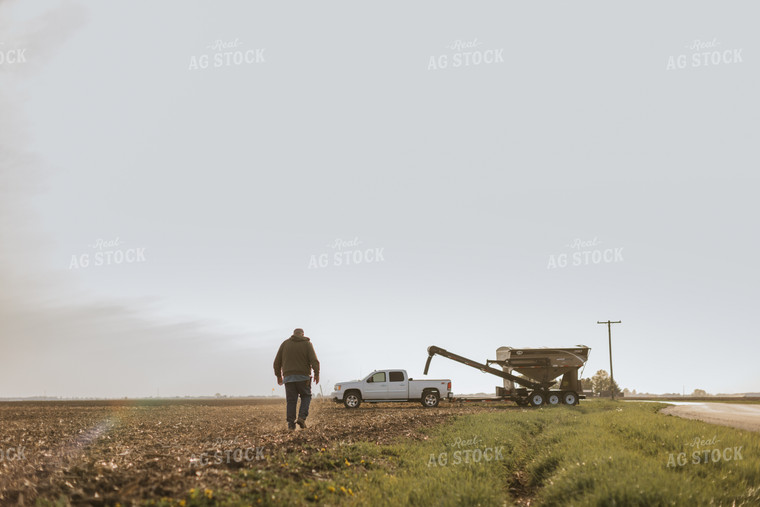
{"x":538,"y":369}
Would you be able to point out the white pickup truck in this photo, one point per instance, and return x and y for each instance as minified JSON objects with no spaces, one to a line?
{"x":391,"y":385}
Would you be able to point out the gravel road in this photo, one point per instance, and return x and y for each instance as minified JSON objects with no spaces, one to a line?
{"x":745,"y":417}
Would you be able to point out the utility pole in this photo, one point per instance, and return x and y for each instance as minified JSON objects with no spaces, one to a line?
{"x":609,"y":331}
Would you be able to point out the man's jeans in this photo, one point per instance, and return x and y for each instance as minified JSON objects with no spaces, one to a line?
{"x":292,"y":391}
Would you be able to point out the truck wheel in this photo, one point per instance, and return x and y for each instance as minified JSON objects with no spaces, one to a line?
{"x":352,"y":399}
{"x":553,"y":399}
{"x":537,"y":399}
{"x":569,"y":398}
{"x":430,"y":399}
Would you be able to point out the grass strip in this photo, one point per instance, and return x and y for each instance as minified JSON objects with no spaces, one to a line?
{"x":597,"y":453}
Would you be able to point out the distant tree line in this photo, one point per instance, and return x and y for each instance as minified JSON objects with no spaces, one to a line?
{"x":601,"y":382}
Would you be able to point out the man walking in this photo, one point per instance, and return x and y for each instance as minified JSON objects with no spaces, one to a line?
{"x":293,"y":364}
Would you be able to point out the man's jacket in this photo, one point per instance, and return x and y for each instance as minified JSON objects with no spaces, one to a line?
{"x":296,"y":357}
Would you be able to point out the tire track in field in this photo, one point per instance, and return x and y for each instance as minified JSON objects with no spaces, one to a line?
{"x":521,"y":491}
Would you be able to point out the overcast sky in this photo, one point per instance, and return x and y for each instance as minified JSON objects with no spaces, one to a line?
{"x":464,"y":153}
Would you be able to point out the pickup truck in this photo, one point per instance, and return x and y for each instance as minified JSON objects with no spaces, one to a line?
{"x":391,"y":385}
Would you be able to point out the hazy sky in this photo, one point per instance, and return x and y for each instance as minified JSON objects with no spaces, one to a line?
{"x":465,"y":150}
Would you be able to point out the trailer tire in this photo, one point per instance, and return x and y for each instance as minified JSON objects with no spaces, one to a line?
{"x":430,"y":399}
{"x":569,"y":398}
{"x":537,"y":399}
{"x":554,"y":399}
{"x":352,"y":399}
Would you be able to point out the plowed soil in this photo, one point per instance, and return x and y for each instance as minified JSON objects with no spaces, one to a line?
{"x":101,"y":452}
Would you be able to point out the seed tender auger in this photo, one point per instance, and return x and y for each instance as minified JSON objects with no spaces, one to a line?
{"x":538,"y":369}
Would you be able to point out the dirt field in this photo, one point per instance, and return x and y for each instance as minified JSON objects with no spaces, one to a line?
{"x":101,"y":452}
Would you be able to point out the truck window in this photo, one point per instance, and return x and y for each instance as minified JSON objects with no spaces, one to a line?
{"x":396,"y":376}
{"x":377,"y":377}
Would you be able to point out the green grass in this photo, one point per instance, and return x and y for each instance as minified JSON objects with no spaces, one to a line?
{"x":598,"y":453}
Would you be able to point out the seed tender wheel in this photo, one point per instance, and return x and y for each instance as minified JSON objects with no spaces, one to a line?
{"x":554,"y":399}
{"x":569,"y":398}
{"x":537,"y":399}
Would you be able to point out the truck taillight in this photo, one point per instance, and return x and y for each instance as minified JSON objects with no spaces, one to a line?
{"x":448,"y":387}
